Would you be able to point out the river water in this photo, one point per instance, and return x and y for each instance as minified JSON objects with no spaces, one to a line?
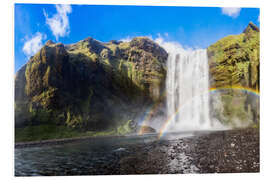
{"x":104,"y":156}
{"x":186,"y":152}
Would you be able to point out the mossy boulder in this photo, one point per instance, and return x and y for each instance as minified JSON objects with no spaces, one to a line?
{"x":89,"y":85}
{"x":146,"y":129}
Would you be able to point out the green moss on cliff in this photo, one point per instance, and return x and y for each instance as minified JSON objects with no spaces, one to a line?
{"x":85,"y":86}
{"x":234,"y":61}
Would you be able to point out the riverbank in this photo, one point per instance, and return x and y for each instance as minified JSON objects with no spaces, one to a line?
{"x":52,"y":142}
{"x":231,"y":151}
{"x":52,"y":133}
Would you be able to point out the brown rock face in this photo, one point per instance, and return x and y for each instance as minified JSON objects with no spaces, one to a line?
{"x":44,"y":69}
{"x":251,"y":27}
{"x":151,"y":47}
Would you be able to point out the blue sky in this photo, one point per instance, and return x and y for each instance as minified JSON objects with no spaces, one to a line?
{"x":192,"y":27}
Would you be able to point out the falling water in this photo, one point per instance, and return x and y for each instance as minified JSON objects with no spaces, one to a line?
{"x":187,"y":87}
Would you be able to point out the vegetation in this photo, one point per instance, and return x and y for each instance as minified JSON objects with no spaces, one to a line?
{"x":88,"y":87}
{"x":44,"y":132}
{"x":234,"y":61}
{"x":52,"y":131}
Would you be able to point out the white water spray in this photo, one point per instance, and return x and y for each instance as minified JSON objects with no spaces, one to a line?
{"x":187,"y":86}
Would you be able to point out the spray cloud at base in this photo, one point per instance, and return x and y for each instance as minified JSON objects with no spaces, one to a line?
{"x":187,"y":92}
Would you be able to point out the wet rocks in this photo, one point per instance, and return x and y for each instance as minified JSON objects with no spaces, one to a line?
{"x":225,"y":155}
{"x":146,"y":129}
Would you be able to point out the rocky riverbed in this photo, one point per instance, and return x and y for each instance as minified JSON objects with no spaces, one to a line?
{"x":219,"y":152}
{"x":230,"y":151}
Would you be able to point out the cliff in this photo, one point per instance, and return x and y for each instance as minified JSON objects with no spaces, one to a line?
{"x":234,"y":60}
{"x":234,"y":69}
{"x":89,"y":85}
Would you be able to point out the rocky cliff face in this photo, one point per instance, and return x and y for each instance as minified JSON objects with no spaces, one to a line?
{"x":234,"y":60}
{"x":234,"y":64}
{"x":92,"y":85}
{"x":89,"y":85}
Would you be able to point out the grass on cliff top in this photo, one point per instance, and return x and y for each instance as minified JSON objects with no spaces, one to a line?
{"x":47,"y":132}
{"x":236,"y":47}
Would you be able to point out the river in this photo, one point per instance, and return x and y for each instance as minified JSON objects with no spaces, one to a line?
{"x":190,"y":152}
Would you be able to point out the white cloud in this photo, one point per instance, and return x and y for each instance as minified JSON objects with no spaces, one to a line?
{"x":129,"y":38}
{"x":231,"y":11}
{"x":169,"y":46}
{"x":59,"y":22}
{"x":31,"y":46}
{"x":172,"y":46}
{"x":126,"y":39}
{"x":166,"y":35}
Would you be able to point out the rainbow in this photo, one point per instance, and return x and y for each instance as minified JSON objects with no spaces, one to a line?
{"x":167,"y":122}
{"x":241,"y":88}
{"x":151,"y":112}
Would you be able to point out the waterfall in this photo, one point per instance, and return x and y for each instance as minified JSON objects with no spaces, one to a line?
{"x":187,"y":86}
